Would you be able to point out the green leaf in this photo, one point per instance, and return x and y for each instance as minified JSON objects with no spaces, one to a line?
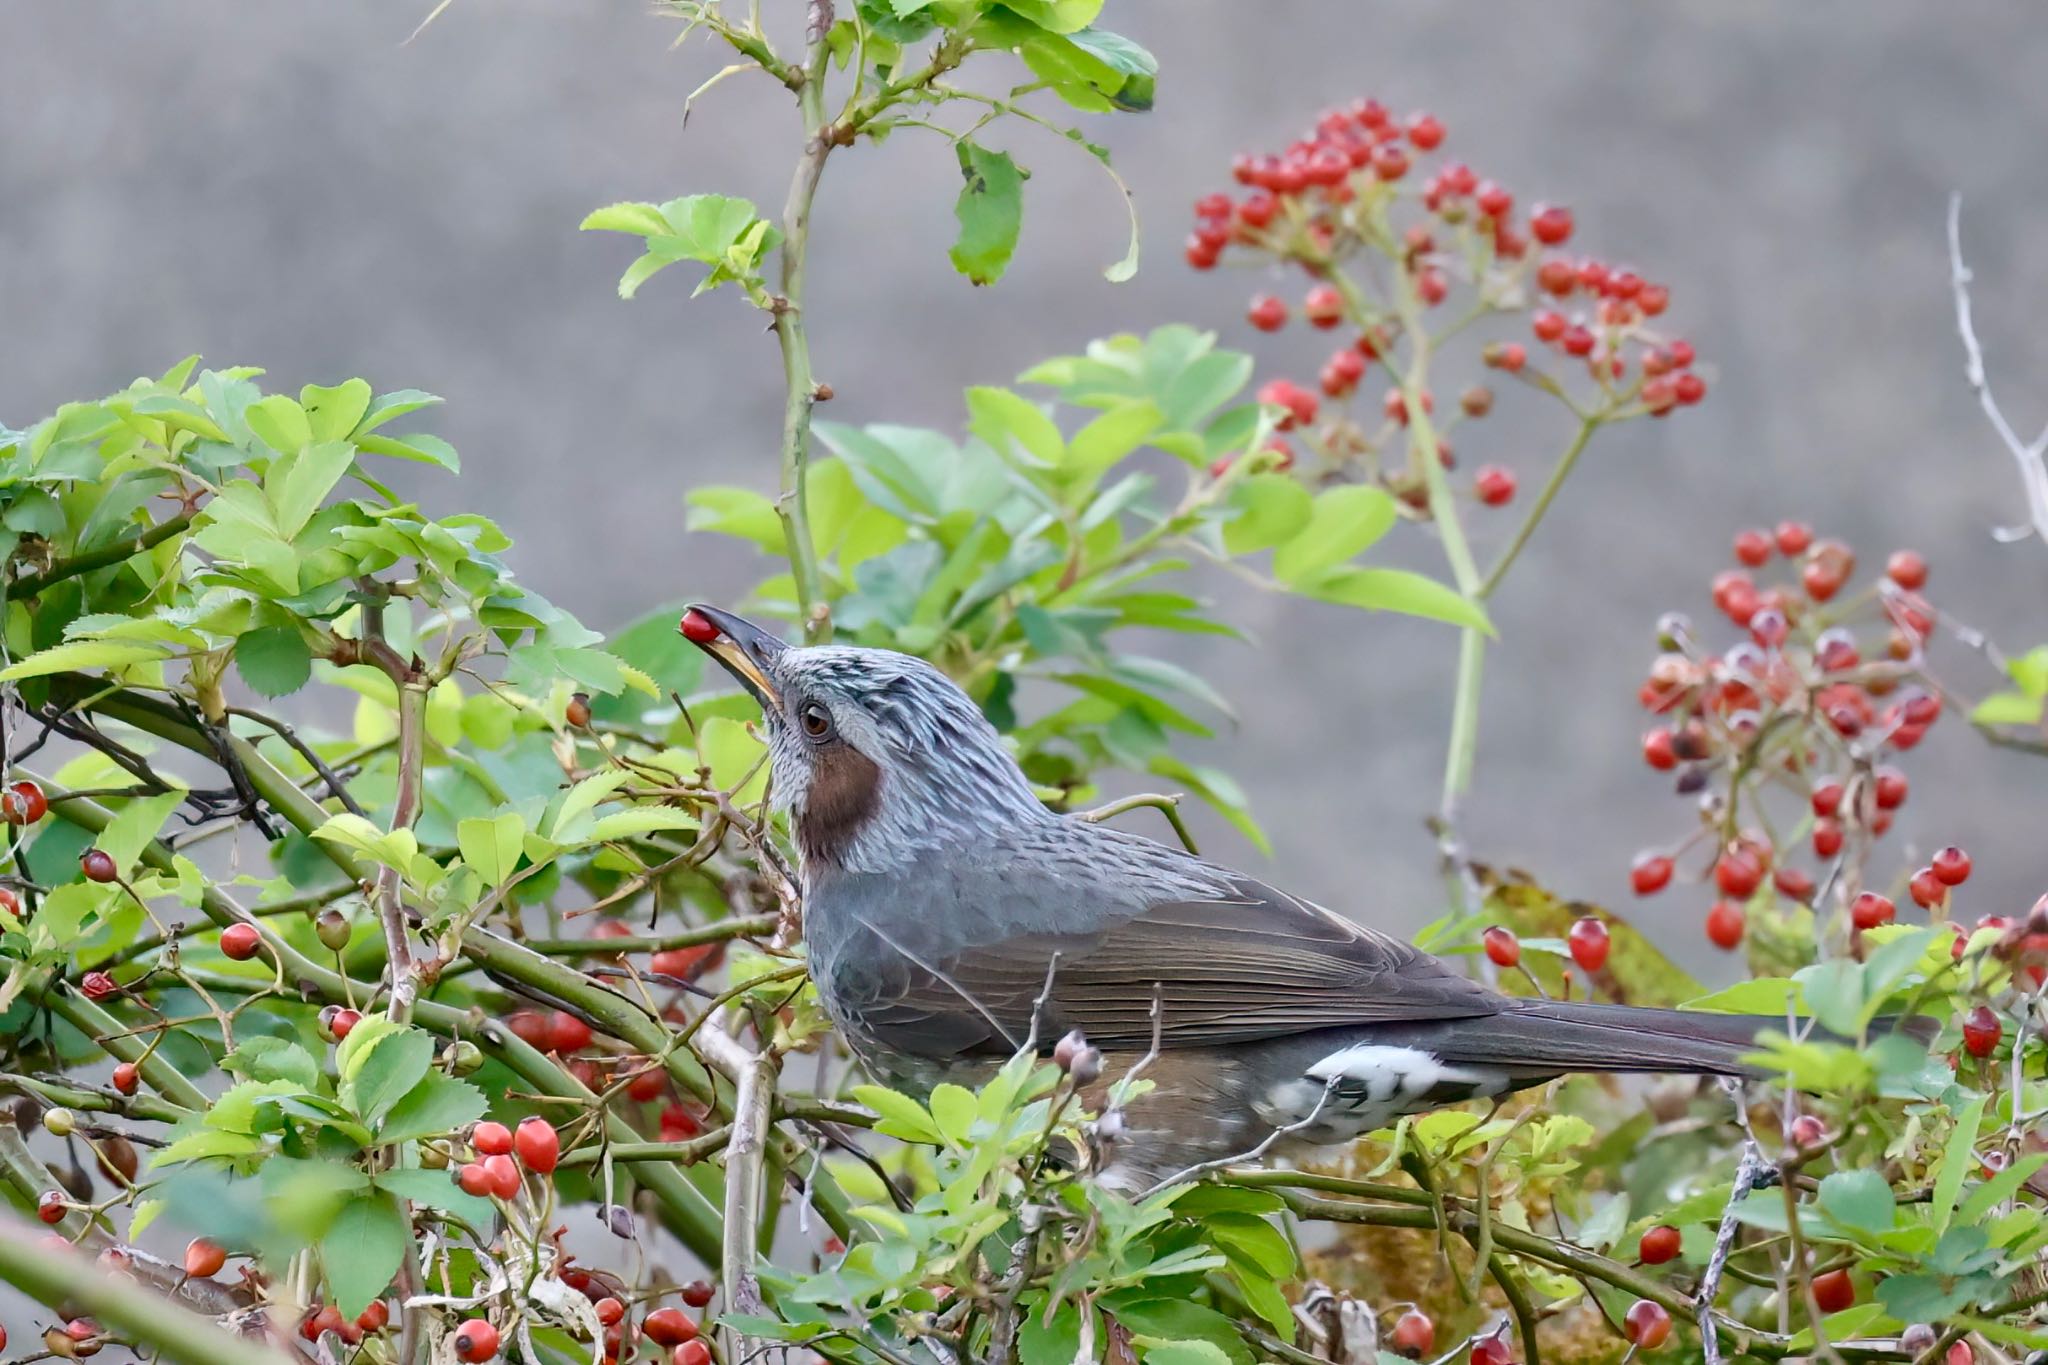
{"x":1162,"y":1351}
{"x":73,"y":655}
{"x":419,"y":447}
{"x":642,"y":220}
{"x":1398,"y":590}
{"x":1270,"y":509}
{"x":953,"y":1109}
{"x":391,"y":1068}
{"x":1180,"y":1320}
{"x":279,"y":423}
{"x":389,"y":407}
{"x":2008,"y":708}
{"x":2030,"y":671}
{"x":296,"y":486}
{"x":363,"y":1249}
{"x":264,"y":1058}
{"x":1342,"y":522}
{"x":735,"y":512}
{"x":1014,"y":426}
{"x":1765,"y":995}
{"x":491,"y":846}
{"x":274,"y":661}
{"x":439,"y":1103}
{"x":1858,"y":1199}
{"x":902,"y":1117}
{"x":1054,"y":1342}
{"x":635,"y":821}
{"x":990,"y":210}
{"x":129,"y":832}
{"x":436,"y":1191}
{"x":335,"y":413}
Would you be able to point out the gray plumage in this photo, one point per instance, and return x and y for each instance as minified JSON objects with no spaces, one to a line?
{"x":938,"y":890}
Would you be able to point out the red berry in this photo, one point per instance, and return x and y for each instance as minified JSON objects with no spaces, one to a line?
{"x":1425,"y":132}
{"x":1906,"y":568}
{"x":1793,"y":882}
{"x":476,"y":1340}
{"x":1589,"y":942}
{"x":697,"y":1293}
{"x":1492,"y":1351}
{"x":504,"y":1176}
{"x":1653,"y":299}
{"x":1827,"y":837}
{"x":1495,"y":484}
{"x":1927,"y":889}
{"x":679,"y":1124}
{"x":538,"y":1145}
{"x":687,"y":963}
{"x":1833,"y":1291}
{"x":373,"y":1318}
{"x":344,"y":1023}
{"x":1550,"y":224}
{"x":1827,"y":796}
{"x":1738,"y":873}
{"x":1258,"y":210}
{"x":1647,"y":1324}
{"x":98,"y":986}
{"x":98,"y":865}
{"x":1324,"y":306}
{"x":1389,"y":162}
{"x":1650,"y":873}
{"x":670,"y":1327}
{"x":1890,"y":789}
{"x":698,"y":628}
{"x":490,"y":1138}
{"x":577,"y":712}
{"x":1213,"y":206}
{"x":127,"y":1079}
{"x":1577,"y":341}
{"x":1689,"y":388}
{"x":1557,"y":276}
{"x":204,"y":1258}
{"x":1509,"y":356}
{"x":567,"y":1033}
{"x":1869,"y":910}
{"x":1807,"y":1131}
{"x":1725,"y":923}
{"x":1793,"y":537}
{"x":1659,"y":1244}
{"x":1414,"y":1334}
{"x":1981,"y":1031}
{"x":693,"y":1352}
{"x":1267,"y":313}
{"x":531,"y":1027}
{"x":474,"y":1179}
{"x":1658,"y":750}
{"x":1752,"y":548}
{"x":23,"y":803}
{"x":609,"y":1310}
{"x":1502,"y":946}
{"x":1951,"y":865}
{"x":1960,"y":1353}
{"x":52,"y":1206}
{"x":240,"y":941}
{"x":1548,"y":326}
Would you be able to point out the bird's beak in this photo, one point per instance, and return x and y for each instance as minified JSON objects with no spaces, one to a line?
{"x":740,"y":646}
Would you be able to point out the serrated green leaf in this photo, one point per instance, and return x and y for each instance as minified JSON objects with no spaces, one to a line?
{"x":363,"y":1249}
{"x":81,"y":654}
{"x":1861,"y":1200}
{"x":274,"y":661}
{"x":990,"y":211}
{"x":902,"y":1117}
{"x":435,"y":1190}
{"x":391,"y":1067}
{"x":491,"y":846}
{"x":137,"y":823}
{"x":439,"y":1103}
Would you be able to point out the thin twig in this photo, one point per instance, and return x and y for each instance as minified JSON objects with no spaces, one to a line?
{"x":2026,"y":455}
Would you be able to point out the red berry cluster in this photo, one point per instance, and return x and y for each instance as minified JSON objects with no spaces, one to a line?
{"x":1362,"y":183}
{"x":669,"y":1328}
{"x":1823,"y":690}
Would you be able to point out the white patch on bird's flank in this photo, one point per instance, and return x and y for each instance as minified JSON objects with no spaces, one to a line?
{"x":1368,"y":1086}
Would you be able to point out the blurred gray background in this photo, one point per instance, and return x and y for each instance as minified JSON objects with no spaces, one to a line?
{"x":297,"y":186}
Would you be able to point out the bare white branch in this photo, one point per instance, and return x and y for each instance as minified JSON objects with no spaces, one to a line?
{"x":2027,"y":455}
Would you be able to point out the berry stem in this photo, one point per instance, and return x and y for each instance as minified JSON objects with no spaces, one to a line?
{"x":1558,"y":474}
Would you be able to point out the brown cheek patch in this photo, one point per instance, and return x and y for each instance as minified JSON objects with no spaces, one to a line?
{"x":846,"y":787}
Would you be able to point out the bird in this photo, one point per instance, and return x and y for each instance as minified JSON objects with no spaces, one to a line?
{"x":951,"y":918}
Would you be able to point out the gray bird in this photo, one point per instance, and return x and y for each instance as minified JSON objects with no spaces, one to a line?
{"x":938,"y":889}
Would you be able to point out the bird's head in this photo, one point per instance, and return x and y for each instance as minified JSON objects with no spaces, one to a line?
{"x":877,"y":756}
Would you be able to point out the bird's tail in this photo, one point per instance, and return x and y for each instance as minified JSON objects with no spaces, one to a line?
{"x":1540,"y":1038}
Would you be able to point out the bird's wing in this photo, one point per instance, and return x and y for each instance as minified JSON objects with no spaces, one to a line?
{"x":1256,"y":963}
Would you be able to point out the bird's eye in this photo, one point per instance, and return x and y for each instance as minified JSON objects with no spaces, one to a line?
{"x":817,"y":721}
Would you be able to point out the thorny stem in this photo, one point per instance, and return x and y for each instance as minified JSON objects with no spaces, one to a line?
{"x":800,"y":388}
{"x":113,"y":552}
{"x":412,"y":716}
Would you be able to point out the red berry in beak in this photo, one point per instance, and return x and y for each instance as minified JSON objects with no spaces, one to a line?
{"x":698,"y":628}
